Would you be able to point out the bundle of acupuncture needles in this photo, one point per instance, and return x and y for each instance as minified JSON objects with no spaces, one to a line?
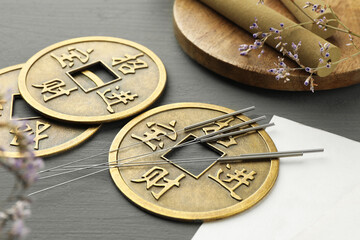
{"x":131,"y":161}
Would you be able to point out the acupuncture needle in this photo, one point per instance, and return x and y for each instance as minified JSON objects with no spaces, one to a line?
{"x":63,"y":183}
{"x":227,"y":129}
{"x":241,"y":157}
{"x":191,"y":127}
{"x":136,"y":157}
{"x":194,"y":141}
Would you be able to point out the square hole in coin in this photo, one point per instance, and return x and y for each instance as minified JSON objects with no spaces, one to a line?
{"x":20,"y":110}
{"x":93,"y":76}
{"x":195,"y":158}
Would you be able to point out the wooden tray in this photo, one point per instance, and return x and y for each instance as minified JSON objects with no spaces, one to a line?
{"x":213,"y":41}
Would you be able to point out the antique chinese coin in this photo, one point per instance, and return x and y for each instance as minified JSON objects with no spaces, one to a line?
{"x":162,"y":169}
{"x":48,"y":137}
{"x":92,"y":79}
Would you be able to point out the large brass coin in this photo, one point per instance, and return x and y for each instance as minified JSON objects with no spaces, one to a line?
{"x":49,"y":137}
{"x":92,"y":79}
{"x":196,"y":190}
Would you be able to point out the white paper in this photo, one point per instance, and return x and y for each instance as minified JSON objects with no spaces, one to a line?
{"x":316,"y":196}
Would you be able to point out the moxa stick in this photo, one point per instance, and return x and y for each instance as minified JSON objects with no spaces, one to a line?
{"x":294,"y":5}
{"x":244,"y":12}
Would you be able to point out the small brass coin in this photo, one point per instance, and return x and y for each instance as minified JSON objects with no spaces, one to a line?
{"x":176,"y":182}
{"x":92,"y":79}
{"x":49,"y":137}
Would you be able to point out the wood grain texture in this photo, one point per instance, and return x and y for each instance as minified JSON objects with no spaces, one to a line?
{"x":213,"y":41}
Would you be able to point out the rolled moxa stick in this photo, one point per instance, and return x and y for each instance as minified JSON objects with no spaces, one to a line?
{"x":291,"y":5}
{"x":244,"y":12}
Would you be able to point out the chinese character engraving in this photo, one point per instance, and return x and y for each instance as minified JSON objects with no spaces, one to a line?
{"x":40,"y":128}
{"x":218,"y":126}
{"x":82,"y":56}
{"x":157,"y":130}
{"x":115,"y":97}
{"x":129,"y":64}
{"x":230,"y":141}
{"x":2,"y":101}
{"x":239,"y":177}
{"x":55,"y":88}
{"x":155,"y":177}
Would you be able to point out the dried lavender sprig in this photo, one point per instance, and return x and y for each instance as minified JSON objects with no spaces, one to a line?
{"x":282,"y":71}
{"x":25,"y":170}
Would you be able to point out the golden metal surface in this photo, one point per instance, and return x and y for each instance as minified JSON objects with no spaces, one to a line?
{"x":92,"y":79}
{"x":191,"y":192}
{"x":49,"y":137}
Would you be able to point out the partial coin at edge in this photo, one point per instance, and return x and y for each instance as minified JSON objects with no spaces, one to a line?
{"x":49,"y":137}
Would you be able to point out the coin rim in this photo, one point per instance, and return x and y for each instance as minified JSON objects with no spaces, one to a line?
{"x":92,"y":119}
{"x":182,"y":215}
{"x":53,"y":150}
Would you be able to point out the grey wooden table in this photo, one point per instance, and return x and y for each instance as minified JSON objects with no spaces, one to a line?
{"x":93,"y":208}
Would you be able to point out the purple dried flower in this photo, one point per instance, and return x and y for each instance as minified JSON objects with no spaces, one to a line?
{"x":308,"y":80}
{"x":255,"y":25}
{"x":25,"y":170}
{"x":261,"y":53}
{"x":324,"y":49}
{"x":243,"y":47}
{"x":18,"y":163}
{"x":327,"y":46}
{"x":350,"y":38}
{"x":21,"y":209}
{"x":322,"y":22}
{"x":282,"y":70}
{"x":18,"y":229}
{"x":274,"y":30}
